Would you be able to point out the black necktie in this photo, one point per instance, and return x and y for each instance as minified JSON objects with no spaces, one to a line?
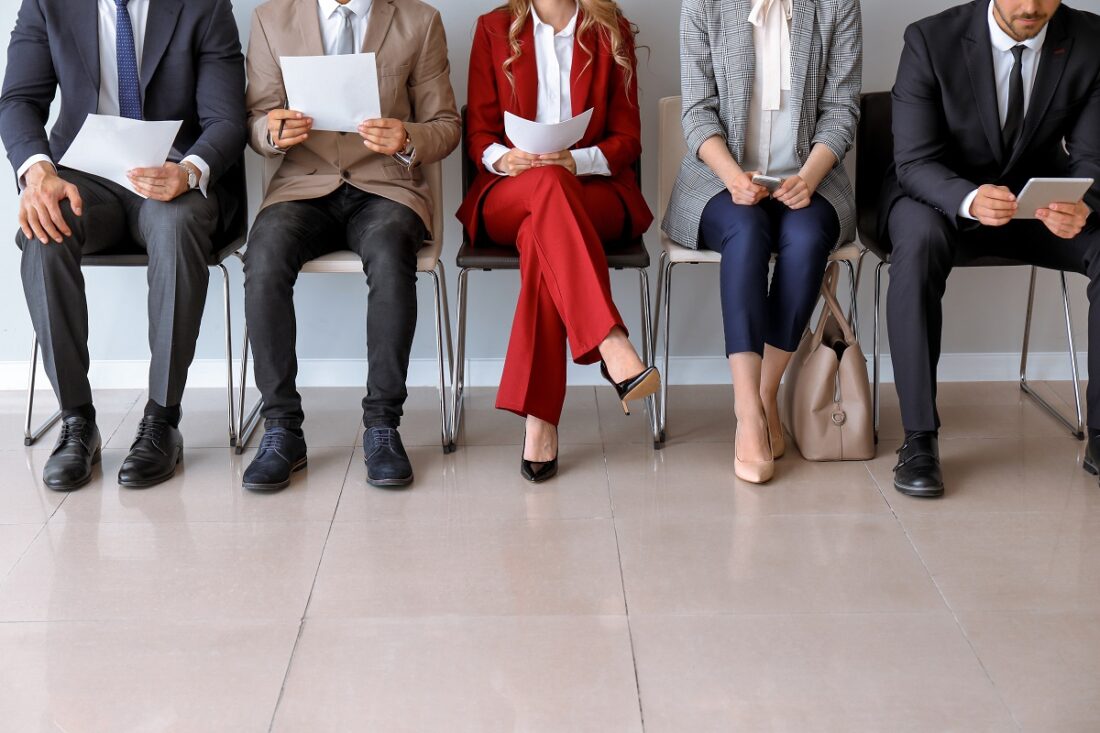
{"x":1014,"y":120}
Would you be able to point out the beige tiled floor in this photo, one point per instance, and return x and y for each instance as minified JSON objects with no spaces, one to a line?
{"x":641,"y":590}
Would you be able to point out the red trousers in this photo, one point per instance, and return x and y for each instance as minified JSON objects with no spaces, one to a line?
{"x":559,"y":223}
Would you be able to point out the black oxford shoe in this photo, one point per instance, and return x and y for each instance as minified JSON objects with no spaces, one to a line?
{"x":78,"y":449}
{"x":157,"y":450}
{"x":388,"y":465}
{"x":280,"y":454}
{"x":918,"y":471}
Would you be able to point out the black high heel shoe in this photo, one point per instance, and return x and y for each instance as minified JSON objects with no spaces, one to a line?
{"x":545,"y":472}
{"x":637,"y":387}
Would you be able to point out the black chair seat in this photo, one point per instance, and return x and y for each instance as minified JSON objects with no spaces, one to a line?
{"x":632,"y":255}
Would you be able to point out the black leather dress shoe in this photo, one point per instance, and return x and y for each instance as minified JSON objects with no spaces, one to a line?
{"x":388,"y":465}
{"x":1092,"y":455}
{"x":918,"y":471}
{"x":157,"y":450}
{"x":78,"y":449}
{"x":280,"y":454}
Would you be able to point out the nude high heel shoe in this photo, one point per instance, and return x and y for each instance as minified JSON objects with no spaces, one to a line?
{"x":754,"y":472}
{"x":778,"y":440}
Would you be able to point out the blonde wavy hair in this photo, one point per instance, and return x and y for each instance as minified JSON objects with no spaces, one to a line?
{"x":603,"y":16}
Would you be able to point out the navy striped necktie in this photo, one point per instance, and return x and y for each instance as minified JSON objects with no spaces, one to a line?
{"x":129,"y":85}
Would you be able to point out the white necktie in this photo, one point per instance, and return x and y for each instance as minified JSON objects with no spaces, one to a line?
{"x":346,"y":42}
{"x":771,"y":21}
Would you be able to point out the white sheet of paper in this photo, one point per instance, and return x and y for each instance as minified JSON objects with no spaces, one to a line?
{"x":338,"y":92}
{"x":539,"y":139}
{"x":108,"y":146}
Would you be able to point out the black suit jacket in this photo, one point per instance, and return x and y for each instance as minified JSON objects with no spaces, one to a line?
{"x":192,"y":69}
{"x":947,"y":131}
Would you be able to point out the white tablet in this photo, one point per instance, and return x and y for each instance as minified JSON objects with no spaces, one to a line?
{"x":1040,"y":193}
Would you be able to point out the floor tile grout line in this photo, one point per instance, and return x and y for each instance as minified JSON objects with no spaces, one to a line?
{"x":626,"y":603}
{"x":947,"y":604}
{"x":309,"y":598}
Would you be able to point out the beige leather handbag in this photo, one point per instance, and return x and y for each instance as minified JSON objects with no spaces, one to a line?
{"x":827,"y":396}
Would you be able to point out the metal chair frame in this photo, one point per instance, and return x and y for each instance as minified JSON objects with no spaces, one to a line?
{"x":32,"y":435}
{"x":1077,"y":429}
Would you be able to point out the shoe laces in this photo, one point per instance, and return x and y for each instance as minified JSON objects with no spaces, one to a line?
{"x":273,"y":440}
{"x":384,"y":437}
{"x":151,"y":430}
{"x":72,"y":433}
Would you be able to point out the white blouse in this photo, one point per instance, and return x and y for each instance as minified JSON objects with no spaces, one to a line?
{"x":554,"y":56}
{"x":770,"y":137}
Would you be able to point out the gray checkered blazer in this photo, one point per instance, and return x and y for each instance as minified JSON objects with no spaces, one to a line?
{"x":717,"y":66}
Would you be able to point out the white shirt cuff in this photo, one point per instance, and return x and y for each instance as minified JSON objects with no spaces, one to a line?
{"x":591,"y":162}
{"x":492,"y":155}
{"x":31,"y":161}
{"x":964,"y":210}
{"x":274,"y":148}
{"x":204,"y":171}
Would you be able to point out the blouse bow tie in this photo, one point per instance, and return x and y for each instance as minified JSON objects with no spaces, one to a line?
{"x":771,"y":21}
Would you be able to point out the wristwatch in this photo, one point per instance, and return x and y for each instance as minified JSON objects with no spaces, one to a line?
{"x":192,"y":176}
{"x":405,"y":155}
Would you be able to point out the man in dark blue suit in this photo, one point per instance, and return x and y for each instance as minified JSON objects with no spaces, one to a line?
{"x":988,"y":95}
{"x":143,"y":59}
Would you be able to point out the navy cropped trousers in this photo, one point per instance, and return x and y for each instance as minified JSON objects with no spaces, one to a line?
{"x":747,"y":236}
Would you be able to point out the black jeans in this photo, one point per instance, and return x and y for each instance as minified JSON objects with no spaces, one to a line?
{"x":386,"y":235}
{"x":925,"y":245}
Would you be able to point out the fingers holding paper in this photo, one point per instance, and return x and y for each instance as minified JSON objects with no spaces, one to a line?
{"x":385,"y":136}
{"x":288,"y":127}
{"x":563,"y":158}
{"x":516,"y":161}
{"x":160,"y":184}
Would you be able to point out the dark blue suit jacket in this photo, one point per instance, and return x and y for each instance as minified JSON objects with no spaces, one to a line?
{"x":192,"y":69}
{"x":947,"y":130}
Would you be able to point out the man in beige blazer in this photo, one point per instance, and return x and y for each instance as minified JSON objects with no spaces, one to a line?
{"x":336,"y":191}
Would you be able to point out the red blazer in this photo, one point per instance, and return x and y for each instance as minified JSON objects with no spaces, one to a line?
{"x":616,"y":126}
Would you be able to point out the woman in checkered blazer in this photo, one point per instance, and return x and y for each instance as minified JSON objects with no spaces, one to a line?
{"x":770,"y":87}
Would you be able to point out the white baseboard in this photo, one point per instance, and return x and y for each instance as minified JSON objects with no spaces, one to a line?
{"x":127,"y":374}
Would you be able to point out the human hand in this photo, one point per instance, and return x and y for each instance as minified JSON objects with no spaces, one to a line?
{"x":744,"y":191}
{"x":563,"y":158}
{"x":385,"y":136}
{"x":40,"y":214}
{"x":515,"y":161}
{"x":795,"y":193}
{"x":1065,"y":220}
{"x":160,"y":184}
{"x":994,"y":206}
{"x":287,"y":128}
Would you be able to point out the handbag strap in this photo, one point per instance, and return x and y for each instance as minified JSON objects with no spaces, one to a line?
{"x":832,"y":307}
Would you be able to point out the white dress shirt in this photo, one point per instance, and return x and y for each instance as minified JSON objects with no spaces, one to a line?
{"x":332,"y":23}
{"x":769,"y":134}
{"x":554,"y":56}
{"x":108,"y":77}
{"x":332,"y":26}
{"x":1003,"y":61}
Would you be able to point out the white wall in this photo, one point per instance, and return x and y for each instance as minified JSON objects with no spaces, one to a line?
{"x":984,"y":309}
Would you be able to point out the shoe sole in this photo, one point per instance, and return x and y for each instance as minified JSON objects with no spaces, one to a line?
{"x":645,"y":388}
{"x":279,"y":486}
{"x":96,"y":458}
{"x":149,"y":483}
{"x":389,"y":483}
{"x":1090,"y":467}
{"x":933,"y":493}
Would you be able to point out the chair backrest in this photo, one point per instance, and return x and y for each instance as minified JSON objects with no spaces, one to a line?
{"x":874,"y":156}
{"x":671,"y":150}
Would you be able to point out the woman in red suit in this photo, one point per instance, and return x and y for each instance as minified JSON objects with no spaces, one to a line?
{"x":547,"y":61}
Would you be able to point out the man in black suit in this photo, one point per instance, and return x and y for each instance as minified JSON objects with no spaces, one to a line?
{"x":988,"y":95}
{"x":142,"y":59}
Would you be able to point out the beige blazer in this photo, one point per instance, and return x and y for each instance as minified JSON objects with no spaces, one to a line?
{"x":414,"y":84}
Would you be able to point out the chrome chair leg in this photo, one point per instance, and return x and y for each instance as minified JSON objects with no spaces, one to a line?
{"x":876,"y":382}
{"x":438,"y":296}
{"x":229,"y":357}
{"x":1078,"y":429}
{"x":247,"y":422}
{"x":648,"y":347}
{"x":664,"y":302}
{"x":458,"y":376}
{"x":32,"y":435}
